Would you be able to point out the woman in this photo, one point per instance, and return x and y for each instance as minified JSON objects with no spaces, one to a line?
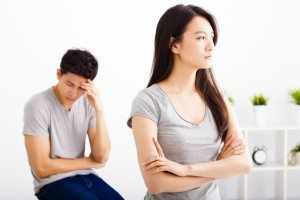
{"x":186,"y":134}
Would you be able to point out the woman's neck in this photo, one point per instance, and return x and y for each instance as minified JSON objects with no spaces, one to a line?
{"x":181,"y":79}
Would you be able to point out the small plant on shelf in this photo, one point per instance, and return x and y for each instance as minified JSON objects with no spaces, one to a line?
{"x":259,"y":100}
{"x":295,"y":155}
{"x":295,"y":96}
{"x":295,"y":99}
{"x":230,"y":99}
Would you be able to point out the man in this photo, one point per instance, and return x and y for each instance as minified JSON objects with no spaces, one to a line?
{"x":56,"y":122}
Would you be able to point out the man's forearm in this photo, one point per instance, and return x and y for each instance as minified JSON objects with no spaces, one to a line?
{"x":100,"y":145}
{"x":61,"y":165}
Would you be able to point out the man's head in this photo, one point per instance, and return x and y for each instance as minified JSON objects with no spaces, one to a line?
{"x":79,"y":62}
{"x":75,"y":68}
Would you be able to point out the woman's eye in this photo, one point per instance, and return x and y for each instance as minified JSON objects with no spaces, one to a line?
{"x":201,"y":38}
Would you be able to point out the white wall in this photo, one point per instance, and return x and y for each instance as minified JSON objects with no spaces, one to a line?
{"x":258,"y":51}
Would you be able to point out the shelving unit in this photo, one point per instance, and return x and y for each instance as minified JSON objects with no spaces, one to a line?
{"x":273,"y":180}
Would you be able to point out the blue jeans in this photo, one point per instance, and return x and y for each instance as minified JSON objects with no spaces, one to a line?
{"x":81,"y":187}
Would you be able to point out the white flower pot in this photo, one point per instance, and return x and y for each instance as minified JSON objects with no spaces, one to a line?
{"x":260,"y":115}
{"x":297,"y":159}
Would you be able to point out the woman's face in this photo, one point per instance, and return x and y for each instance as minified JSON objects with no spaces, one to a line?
{"x":196,"y":45}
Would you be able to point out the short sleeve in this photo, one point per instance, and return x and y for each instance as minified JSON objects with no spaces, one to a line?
{"x":92,"y":120}
{"x":144,"y":105}
{"x":36,"y":118}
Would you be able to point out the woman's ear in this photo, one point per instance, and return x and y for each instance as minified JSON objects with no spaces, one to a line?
{"x":173,"y":45}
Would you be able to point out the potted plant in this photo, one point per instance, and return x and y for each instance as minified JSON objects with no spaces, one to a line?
{"x":259,"y":102}
{"x":230,"y":99}
{"x":295,"y":98}
{"x":295,"y":155}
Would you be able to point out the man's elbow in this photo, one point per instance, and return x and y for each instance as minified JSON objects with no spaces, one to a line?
{"x":41,"y":172}
{"x":100,"y":156}
{"x":43,"y":169}
{"x":101,"y":159}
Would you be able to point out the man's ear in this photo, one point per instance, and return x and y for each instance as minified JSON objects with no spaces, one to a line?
{"x":174,"y":45}
{"x":58,"y":74}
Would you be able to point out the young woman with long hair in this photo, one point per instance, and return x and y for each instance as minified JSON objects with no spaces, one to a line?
{"x":186,"y":134}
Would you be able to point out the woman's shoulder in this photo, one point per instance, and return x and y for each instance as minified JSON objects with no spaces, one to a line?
{"x":148,"y":103}
{"x":152,"y":93}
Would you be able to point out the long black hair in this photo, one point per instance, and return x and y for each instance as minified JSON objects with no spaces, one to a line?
{"x":172,"y":25}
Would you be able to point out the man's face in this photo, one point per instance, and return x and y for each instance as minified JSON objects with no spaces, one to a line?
{"x":69,"y":87}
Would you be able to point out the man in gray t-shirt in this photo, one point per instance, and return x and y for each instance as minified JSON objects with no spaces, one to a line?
{"x":56,"y":122}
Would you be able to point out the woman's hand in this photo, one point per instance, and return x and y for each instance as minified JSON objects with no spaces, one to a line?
{"x":232,"y":146}
{"x":160,"y":163}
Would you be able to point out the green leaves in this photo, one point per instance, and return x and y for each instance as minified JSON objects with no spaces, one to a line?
{"x":230,"y":99}
{"x":296,"y":149}
{"x":295,"y":96}
{"x":259,"y":100}
{"x":293,"y":152}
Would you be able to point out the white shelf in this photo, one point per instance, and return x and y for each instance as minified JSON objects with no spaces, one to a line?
{"x":275,"y":175}
{"x":268,"y":167}
{"x":295,"y":198}
{"x":293,"y":168}
{"x":270,"y":128}
{"x":267,"y":199}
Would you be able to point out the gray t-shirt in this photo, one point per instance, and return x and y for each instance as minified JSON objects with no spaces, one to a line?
{"x":182,"y":141}
{"x":67,"y":130}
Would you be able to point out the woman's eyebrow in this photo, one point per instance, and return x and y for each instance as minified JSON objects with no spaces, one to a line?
{"x":197,"y":32}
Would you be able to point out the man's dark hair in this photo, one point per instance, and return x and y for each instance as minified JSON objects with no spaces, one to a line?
{"x":79,"y":62}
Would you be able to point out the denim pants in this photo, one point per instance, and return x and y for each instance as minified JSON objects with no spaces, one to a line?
{"x":79,"y":187}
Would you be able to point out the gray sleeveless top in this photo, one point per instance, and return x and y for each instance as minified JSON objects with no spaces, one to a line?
{"x":182,"y":141}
